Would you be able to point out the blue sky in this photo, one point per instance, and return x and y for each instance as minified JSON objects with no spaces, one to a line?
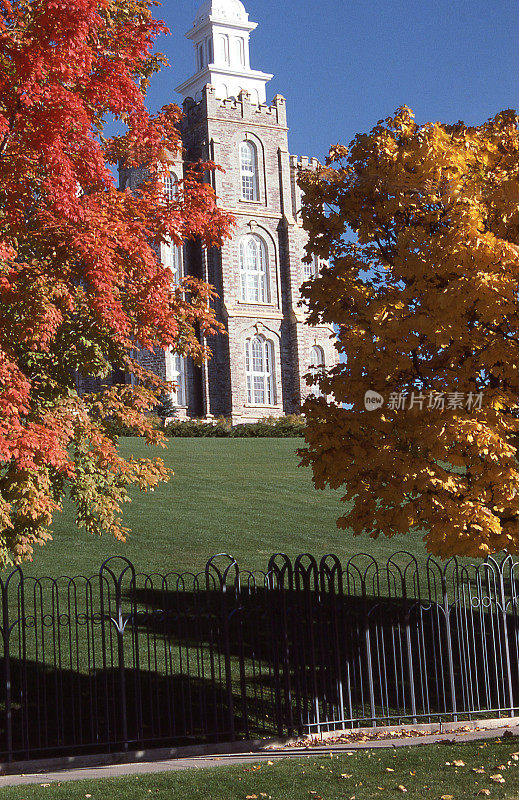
{"x":344,"y":65}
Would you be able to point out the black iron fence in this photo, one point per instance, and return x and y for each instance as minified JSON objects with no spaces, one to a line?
{"x":124,"y":660}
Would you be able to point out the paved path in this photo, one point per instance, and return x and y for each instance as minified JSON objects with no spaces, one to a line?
{"x":201,"y":762}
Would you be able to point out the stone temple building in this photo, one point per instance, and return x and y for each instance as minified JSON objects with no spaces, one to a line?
{"x":257,"y":369}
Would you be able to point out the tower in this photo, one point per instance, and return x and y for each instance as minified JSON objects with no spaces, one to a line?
{"x":220,"y":35}
{"x":258,"y":369}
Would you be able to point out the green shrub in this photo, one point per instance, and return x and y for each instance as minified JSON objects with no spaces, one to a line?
{"x":166,"y":408}
{"x":271,"y":427}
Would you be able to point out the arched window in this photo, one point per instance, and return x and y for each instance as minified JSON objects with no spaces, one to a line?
{"x":210,"y":52}
{"x":253,"y":270}
{"x":222,"y":49}
{"x":170,"y":185}
{"x":311,"y":270}
{"x":200,"y":55}
{"x":178,"y":378}
{"x":248,"y":171}
{"x":238,"y":51}
{"x":259,"y":366}
{"x":316,"y":368}
{"x":172,"y":258}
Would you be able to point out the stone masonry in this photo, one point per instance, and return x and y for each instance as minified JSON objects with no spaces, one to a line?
{"x":214,"y":127}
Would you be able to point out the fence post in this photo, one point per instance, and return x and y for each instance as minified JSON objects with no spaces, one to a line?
{"x":281,"y":640}
{"x":212,"y":571}
{"x":120,"y":626}
{"x":121,"y":666}
{"x":447,"y":613}
{"x":7,"y":673}
{"x":410,"y":665}
{"x":367,"y":642}
{"x":227,"y":661}
{"x":407,"y":618}
{"x":505,"y":632}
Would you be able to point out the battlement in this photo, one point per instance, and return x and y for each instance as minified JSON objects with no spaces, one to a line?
{"x":303,"y":162}
{"x":230,"y":108}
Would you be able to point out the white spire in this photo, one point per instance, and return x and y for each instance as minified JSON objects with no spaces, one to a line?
{"x":220,"y":35}
{"x":222,"y":9}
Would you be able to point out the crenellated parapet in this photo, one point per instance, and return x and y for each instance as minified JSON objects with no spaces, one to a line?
{"x":234,"y":108}
{"x":298,"y":163}
{"x":304,"y":162}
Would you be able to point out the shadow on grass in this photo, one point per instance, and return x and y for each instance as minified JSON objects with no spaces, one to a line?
{"x":124,"y":660}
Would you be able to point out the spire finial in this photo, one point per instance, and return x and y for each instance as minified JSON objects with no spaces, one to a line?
{"x":220,"y":34}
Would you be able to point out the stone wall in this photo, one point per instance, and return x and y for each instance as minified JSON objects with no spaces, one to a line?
{"x":213,"y":129}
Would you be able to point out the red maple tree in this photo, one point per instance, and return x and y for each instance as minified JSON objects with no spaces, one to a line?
{"x":80,"y":281}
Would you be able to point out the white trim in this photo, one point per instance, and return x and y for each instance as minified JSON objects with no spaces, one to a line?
{"x":254,"y":270}
{"x":248,"y":153}
{"x":260,"y":372}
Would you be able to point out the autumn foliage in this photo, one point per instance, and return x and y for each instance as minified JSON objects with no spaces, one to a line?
{"x":422,"y":227}
{"x":80,"y":282}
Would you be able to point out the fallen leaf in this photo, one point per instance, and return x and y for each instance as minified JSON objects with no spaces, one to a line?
{"x":270,"y":763}
{"x":486,"y":792}
{"x":251,"y":797}
{"x":382,"y":788}
{"x":401,"y":788}
{"x":388,"y":769}
{"x":479,"y":770}
{"x":447,"y":797}
{"x":502,"y":766}
{"x":345,"y":775}
{"x":459,"y":763}
{"x":497,"y":778}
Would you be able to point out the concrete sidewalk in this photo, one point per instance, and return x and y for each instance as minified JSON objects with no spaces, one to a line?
{"x":148,"y":764}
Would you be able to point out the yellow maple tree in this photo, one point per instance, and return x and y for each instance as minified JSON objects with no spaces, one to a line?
{"x":421,"y":228}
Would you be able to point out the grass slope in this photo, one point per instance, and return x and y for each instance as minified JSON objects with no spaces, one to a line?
{"x":427,"y":772}
{"x":246,"y":497}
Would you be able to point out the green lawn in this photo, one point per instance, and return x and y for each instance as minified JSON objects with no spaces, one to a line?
{"x":424,"y":772}
{"x":246,"y":497}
